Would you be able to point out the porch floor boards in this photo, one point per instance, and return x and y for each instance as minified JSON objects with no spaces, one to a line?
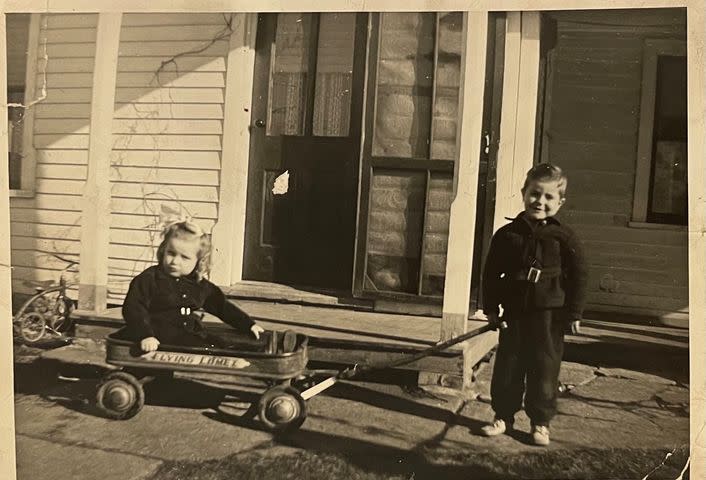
{"x":341,"y":335}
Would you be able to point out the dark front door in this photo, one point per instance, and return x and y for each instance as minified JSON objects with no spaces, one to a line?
{"x":304,"y":154}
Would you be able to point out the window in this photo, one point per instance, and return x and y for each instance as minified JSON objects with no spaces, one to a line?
{"x":661,"y":174}
{"x":21,"y":53}
{"x":412,"y":151}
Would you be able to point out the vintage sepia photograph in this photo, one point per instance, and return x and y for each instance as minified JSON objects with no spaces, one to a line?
{"x":421,"y":240}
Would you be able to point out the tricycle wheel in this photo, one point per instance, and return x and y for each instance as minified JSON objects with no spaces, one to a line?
{"x":282,"y":409}
{"x":32,"y":326}
{"x":120,"y":396}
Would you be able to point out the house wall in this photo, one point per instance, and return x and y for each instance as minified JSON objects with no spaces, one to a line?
{"x":167,"y":133}
{"x":591,"y":130}
{"x":49,"y":223}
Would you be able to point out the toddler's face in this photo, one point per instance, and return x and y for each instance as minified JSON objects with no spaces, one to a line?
{"x":542,"y":199}
{"x":181,"y":256}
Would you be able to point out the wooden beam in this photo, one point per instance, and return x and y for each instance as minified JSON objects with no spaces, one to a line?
{"x":7,"y":406}
{"x":696,"y":80}
{"x":95,"y":222}
{"x":517,"y":125}
{"x":229,"y":232}
{"x":160,"y":6}
{"x":462,"y":223}
{"x":506,"y":192}
{"x":519,"y":114}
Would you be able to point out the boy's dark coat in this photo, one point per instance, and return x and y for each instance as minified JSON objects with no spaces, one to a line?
{"x":155,"y":306}
{"x":560,"y":257}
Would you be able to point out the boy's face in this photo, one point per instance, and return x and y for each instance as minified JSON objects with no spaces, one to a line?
{"x":542,"y":199}
{"x":181,"y":256}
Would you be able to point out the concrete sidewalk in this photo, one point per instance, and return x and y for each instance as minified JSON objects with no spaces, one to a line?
{"x":614,"y":421}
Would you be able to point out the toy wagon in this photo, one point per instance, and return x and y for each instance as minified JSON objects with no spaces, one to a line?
{"x":277,"y":358}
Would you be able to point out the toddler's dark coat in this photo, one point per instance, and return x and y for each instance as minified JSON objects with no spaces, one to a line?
{"x":532,"y":345}
{"x":159,"y":305}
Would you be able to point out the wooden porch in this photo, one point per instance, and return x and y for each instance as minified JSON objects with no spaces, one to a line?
{"x":343,"y":335}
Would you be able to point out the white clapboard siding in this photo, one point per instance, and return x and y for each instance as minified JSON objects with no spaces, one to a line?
{"x":33,"y":215}
{"x":193,"y":193}
{"x":165,"y":176}
{"x":181,"y":64}
{"x":152,"y":205}
{"x":592,"y":127}
{"x":60,"y":186}
{"x":169,"y":49}
{"x":152,"y":94}
{"x":167,"y":133}
{"x":150,"y":222}
{"x":186,"y":111}
{"x":67,"y":79}
{"x":172,"y":19}
{"x":64,"y":248}
{"x":62,"y":126}
{"x":39,"y":230}
{"x":67,"y":95}
{"x":170,"y":78}
{"x":24,"y":279}
{"x":67,"y":141}
{"x":59,"y":157}
{"x":50,"y":222}
{"x":156,"y":142}
{"x":147,"y":126}
{"x":70,"y":50}
{"x":166,"y":159}
{"x":62,"y":111}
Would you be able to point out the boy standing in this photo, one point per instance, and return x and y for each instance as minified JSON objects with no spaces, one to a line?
{"x":535,"y":269}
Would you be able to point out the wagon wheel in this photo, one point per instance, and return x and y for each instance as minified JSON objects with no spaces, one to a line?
{"x":32,"y":327}
{"x":120,"y":396}
{"x":282,"y":409}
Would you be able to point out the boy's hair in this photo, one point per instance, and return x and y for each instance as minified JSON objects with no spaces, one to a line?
{"x":547,"y":172}
{"x":188,"y":230}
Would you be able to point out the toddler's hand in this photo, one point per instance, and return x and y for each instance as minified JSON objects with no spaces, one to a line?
{"x":575,"y":327}
{"x":257,"y":330}
{"x":149,"y":344}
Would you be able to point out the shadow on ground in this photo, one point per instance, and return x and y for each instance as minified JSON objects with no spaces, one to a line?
{"x":329,"y":456}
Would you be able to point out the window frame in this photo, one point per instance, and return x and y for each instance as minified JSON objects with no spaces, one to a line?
{"x":652,"y":50}
{"x":29,"y":157}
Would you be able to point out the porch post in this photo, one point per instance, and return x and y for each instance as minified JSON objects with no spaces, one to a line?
{"x":228,"y":236}
{"x":95,"y":220}
{"x":462,"y":223}
{"x":696,"y":80}
{"x":7,"y":406}
{"x":519,"y":111}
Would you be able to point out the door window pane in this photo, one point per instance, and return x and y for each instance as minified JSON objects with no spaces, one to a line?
{"x":334,"y":74}
{"x":404,"y":85}
{"x":436,"y":233}
{"x":669,"y":174}
{"x":17,"y":40}
{"x":395,"y":231}
{"x":447,"y":81}
{"x":288,"y":74}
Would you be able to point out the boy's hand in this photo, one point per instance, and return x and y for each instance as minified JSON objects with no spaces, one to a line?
{"x":575,"y":327}
{"x":257,"y":330}
{"x":149,"y":344}
{"x":494,"y":320}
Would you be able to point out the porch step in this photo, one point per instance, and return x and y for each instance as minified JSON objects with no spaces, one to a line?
{"x":253,"y":290}
{"x":342,"y":336}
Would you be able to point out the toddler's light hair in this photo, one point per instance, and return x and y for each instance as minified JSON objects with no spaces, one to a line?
{"x":189,"y":231}
{"x":548,"y":173}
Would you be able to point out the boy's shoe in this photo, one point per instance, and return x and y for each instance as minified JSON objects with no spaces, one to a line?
{"x":498,"y":427}
{"x":540,"y":435}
